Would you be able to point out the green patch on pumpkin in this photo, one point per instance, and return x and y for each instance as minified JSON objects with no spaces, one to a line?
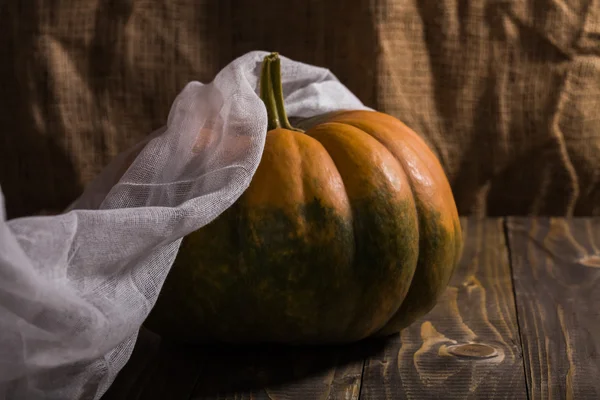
{"x":255,"y":276}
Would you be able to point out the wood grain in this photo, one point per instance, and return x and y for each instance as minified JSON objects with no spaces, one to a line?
{"x":468,"y":345}
{"x":278,"y":372}
{"x":556,"y":266}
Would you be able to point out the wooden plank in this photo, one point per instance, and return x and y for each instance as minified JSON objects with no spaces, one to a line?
{"x":157,"y":370}
{"x":468,"y":345}
{"x":162,"y":370}
{"x":279,"y":372}
{"x":556,"y":266}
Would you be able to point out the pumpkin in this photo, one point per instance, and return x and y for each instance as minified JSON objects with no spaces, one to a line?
{"x":348,"y":230}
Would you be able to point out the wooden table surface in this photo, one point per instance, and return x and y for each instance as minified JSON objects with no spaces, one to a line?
{"x":520,"y":320}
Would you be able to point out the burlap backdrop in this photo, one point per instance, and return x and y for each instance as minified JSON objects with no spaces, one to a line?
{"x":507,"y":93}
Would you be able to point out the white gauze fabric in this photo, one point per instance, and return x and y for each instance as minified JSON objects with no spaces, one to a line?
{"x":76,"y":287}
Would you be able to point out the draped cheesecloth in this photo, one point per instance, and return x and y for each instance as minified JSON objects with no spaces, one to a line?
{"x":76,"y":287}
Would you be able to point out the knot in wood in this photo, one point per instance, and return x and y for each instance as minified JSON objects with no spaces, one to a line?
{"x":473,"y":351}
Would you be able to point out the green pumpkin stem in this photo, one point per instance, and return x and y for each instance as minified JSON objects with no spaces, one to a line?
{"x":271,"y":93}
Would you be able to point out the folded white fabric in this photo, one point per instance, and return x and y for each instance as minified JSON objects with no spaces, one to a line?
{"x":76,"y":287}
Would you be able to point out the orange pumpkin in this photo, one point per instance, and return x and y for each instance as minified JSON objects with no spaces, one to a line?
{"x":348,"y":229}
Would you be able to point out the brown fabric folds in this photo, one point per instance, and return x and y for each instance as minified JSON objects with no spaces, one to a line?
{"x":507,"y":93}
